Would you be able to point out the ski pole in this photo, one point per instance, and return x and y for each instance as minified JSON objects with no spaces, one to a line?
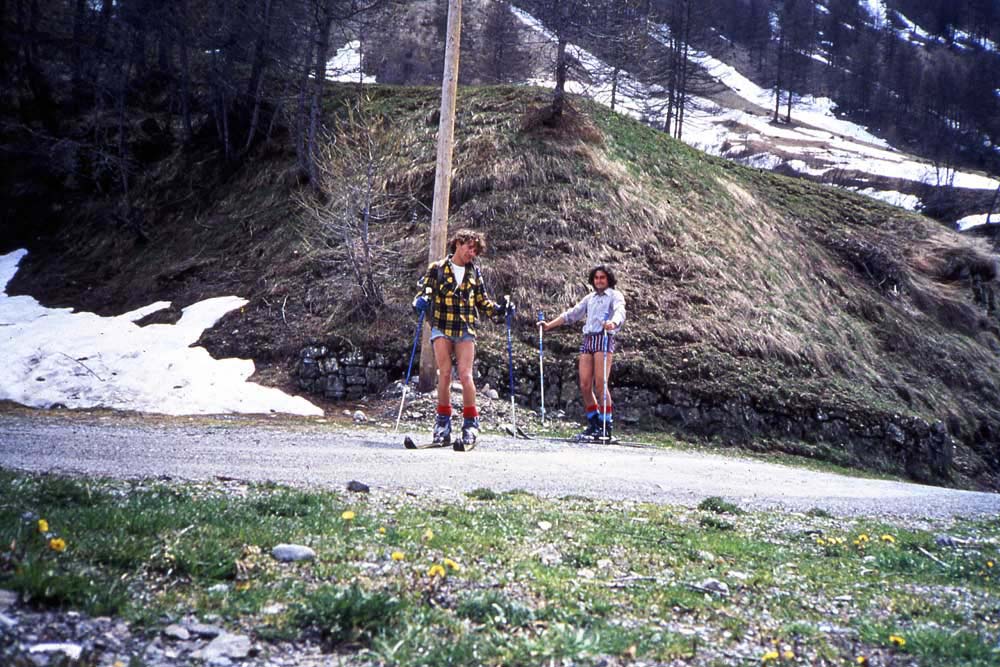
{"x":604,"y":416}
{"x":409,"y":369}
{"x":541,"y":364}
{"x":510,"y":367}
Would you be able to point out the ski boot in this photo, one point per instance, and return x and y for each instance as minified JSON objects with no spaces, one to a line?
{"x":470,"y":431}
{"x":442,"y":430}
{"x":603,"y":433}
{"x":593,"y":429}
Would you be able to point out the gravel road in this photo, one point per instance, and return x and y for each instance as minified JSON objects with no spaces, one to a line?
{"x":306,"y":452}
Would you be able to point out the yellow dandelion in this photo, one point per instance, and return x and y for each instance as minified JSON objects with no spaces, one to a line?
{"x":348,"y":515}
{"x":43,"y":526}
{"x":452,"y":564}
{"x":436,"y":571}
{"x":989,"y":563}
{"x":889,"y":538}
{"x":381,"y":530}
{"x":820,"y":541}
{"x":788,"y":655}
{"x":398,"y":555}
{"x":863,"y":537}
{"x":769,"y":656}
{"x":896,"y":640}
{"x":428,"y":535}
{"x":861,"y":660}
{"x":57,"y":544}
{"x":242,"y":585}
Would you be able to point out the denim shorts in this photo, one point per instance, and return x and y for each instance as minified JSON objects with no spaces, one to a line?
{"x":464,"y":338}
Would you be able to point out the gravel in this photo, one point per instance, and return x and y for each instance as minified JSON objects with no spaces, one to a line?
{"x":323,"y":453}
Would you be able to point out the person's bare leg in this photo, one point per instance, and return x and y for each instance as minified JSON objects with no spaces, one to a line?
{"x":465,"y":355}
{"x":442,"y":423}
{"x":442,"y":355}
{"x":600,"y":382}
{"x":587,"y":380}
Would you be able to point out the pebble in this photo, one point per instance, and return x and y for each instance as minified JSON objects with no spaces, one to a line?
{"x":292,"y":552}
{"x":7,"y":598}
{"x":224,"y":646}
{"x":715,"y":586}
{"x":204,"y":630}
{"x":71,"y":651}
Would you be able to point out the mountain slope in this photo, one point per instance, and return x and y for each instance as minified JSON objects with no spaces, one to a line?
{"x":764,"y":310}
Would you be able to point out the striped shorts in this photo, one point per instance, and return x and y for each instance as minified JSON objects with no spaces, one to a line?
{"x":595,"y":343}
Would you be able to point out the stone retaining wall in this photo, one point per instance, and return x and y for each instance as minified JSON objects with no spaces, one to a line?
{"x":924,"y":450}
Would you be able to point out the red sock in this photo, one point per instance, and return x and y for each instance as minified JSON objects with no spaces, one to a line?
{"x":470,"y":412}
{"x":444,"y":410}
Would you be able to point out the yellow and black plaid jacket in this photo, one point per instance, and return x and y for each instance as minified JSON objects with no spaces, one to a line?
{"x":455,"y":308}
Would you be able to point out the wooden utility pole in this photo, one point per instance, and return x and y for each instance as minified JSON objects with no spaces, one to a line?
{"x":442,"y":176}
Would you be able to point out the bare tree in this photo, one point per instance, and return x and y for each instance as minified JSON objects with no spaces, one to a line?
{"x":352,"y":198}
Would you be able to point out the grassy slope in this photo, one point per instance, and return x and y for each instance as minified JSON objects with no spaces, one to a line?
{"x":757,"y":301}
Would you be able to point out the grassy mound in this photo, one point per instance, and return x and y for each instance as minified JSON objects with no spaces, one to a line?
{"x":763,"y":310}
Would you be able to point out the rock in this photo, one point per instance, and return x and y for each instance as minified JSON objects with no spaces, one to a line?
{"x":7,"y":622}
{"x":357,"y":487}
{"x":178,"y":632}
{"x":544,"y":525}
{"x":715,"y":586}
{"x":948,"y":541}
{"x":204,"y":630}
{"x":224,"y":646}
{"x":292,"y":552}
{"x":360,"y":417}
{"x":273,"y":609}
{"x":493,"y":394}
{"x":71,"y":651}
{"x":218,"y":588}
{"x":7,"y":598}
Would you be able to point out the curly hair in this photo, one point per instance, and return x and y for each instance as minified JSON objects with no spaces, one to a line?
{"x":612,"y":281}
{"x":464,"y":236}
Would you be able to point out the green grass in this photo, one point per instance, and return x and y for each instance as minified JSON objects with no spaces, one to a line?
{"x":503,"y":577}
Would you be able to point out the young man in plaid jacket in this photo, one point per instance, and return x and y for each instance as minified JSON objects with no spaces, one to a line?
{"x":457,"y":298}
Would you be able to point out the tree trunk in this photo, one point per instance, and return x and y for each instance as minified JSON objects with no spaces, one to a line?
{"x":319,"y":79}
{"x":79,"y":12}
{"x":185,"y":74}
{"x":989,"y":214}
{"x":102,"y":26}
{"x":614,"y":87}
{"x":779,"y":77}
{"x":302,"y":113}
{"x":559,"y":96}
{"x":256,"y":83}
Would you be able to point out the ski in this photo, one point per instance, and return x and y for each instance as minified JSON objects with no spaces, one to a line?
{"x":517,"y":432}
{"x":609,"y":440}
{"x":409,"y":444}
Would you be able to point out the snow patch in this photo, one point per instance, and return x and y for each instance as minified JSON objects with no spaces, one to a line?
{"x":53,"y":356}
